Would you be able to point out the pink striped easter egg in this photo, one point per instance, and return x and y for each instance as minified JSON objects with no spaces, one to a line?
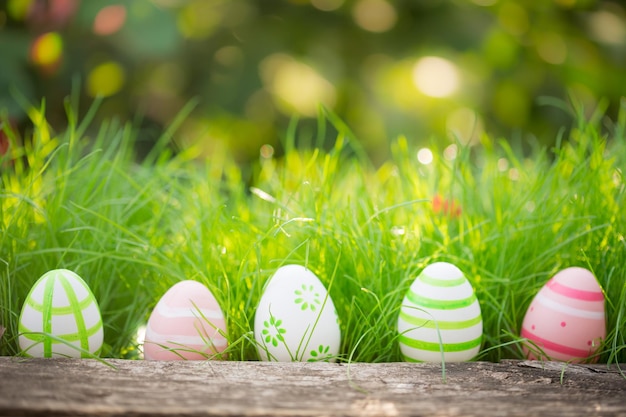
{"x":566,"y":318}
{"x":186,"y":323}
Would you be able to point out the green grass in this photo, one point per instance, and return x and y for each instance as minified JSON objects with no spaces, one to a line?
{"x":80,"y":200}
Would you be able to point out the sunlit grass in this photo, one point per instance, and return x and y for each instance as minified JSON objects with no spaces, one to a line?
{"x":81,"y":200}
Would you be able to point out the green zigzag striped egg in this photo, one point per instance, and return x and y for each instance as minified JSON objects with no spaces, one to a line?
{"x":60,"y":318}
{"x":440,"y":312}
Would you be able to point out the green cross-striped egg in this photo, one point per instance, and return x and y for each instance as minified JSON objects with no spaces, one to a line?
{"x":61,"y":305}
{"x":440,"y":312}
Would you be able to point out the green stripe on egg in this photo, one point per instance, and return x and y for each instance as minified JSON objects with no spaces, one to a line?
{"x":68,"y":337}
{"x":436,"y":282}
{"x":423,"y":301}
{"x":77,"y":311}
{"x":439,"y":324}
{"x":47,"y":316}
{"x":83,"y":304}
{"x":437,"y":347}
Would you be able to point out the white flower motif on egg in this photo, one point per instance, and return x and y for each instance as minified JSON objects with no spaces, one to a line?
{"x":296,"y":319}
{"x":307,"y":297}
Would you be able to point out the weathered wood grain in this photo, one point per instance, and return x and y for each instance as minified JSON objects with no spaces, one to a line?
{"x":71,"y":387}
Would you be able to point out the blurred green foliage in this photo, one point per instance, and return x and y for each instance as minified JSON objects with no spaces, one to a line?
{"x":450,"y":69}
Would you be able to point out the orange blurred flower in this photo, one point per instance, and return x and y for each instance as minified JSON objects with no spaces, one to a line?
{"x":448,"y":207}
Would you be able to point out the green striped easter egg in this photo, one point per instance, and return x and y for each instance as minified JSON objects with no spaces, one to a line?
{"x":62,"y":305}
{"x":440,"y":313}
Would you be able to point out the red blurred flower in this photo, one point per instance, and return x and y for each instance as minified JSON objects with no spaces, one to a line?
{"x":4,"y":142}
{"x":11,"y":125}
{"x":442,"y":205}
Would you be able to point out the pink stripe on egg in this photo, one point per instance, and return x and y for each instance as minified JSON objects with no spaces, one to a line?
{"x":574,"y":293}
{"x":188,"y":311}
{"x":187,"y":340}
{"x":184,"y":325}
{"x":543,"y":343}
{"x":544,"y":298}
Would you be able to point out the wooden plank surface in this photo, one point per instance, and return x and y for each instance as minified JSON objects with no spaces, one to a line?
{"x":74,"y":387}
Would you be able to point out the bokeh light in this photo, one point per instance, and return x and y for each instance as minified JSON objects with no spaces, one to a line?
{"x":109,"y":20}
{"x":435,"y":76}
{"x":451,"y":152}
{"x":295,"y":85}
{"x":327,"y":5}
{"x":607,"y":27}
{"x":47,"y":50}
{"x":434,"y":69}
{"x":500,"y":49}
{"x":198,"y":19}
{"x":267,"y":151}
{"x":425,"y":156}
{"x":374,"y":15}
{"x":552,"y":48}
{"x":18,"y":9}
{"x":105,"y":79}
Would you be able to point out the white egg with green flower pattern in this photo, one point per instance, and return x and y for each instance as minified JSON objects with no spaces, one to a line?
{"x":296,"y":319}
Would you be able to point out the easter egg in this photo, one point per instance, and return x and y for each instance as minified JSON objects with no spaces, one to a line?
{"x":187,"y":323}
{"x":566,"y":318}
{"x":60,"y":317}
{"x":296,"y":319}
{"x":440,"y":317}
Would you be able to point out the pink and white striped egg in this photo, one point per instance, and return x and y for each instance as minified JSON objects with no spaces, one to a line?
{"x":566,"y":318}
{"x":187,"y":323}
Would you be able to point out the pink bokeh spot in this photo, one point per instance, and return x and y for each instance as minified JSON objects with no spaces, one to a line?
{"x":52,"y":14}
{"x":109,"y":20}
{"x":562,"y":324}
